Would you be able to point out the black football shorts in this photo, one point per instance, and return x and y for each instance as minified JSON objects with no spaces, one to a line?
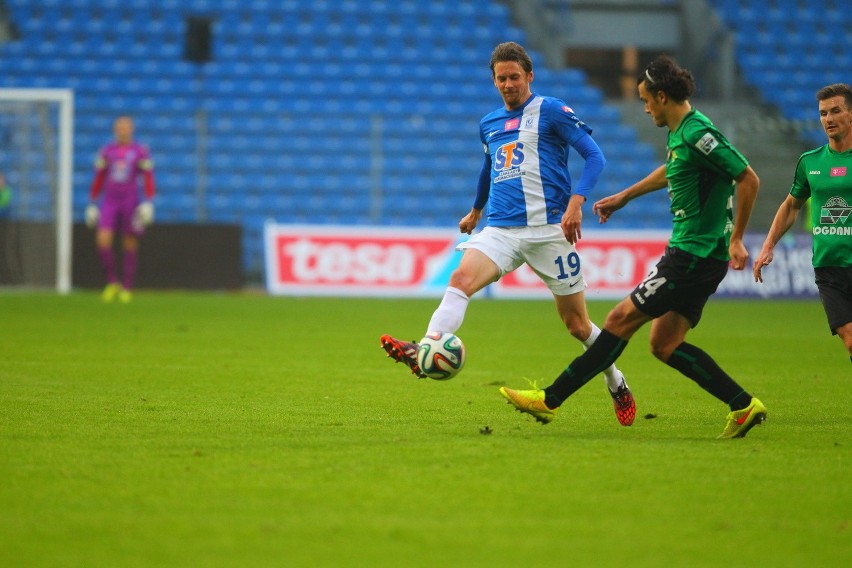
{"x":681,"y":282}
{"x":835,"y":291}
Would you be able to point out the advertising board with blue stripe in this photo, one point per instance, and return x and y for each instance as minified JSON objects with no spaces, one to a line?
{"x":414,"y":262}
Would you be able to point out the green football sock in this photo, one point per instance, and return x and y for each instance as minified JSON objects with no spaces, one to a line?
{"x":599,"y":356}
{"x":701,"y":368}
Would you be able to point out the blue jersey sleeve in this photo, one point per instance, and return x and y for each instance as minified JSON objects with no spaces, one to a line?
{"x":566,"y":123}
{"x":483,"y":186}
{"x":578,"y":135}
{"x":594,"y":164}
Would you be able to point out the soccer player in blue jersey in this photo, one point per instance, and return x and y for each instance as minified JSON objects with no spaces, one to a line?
{"x":534,"y":212}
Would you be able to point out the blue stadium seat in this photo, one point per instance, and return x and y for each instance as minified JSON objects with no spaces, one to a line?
{"x":782,"y":50}
{"x":291,"y":97}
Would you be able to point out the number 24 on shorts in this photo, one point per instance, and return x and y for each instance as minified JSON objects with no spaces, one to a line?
{"x":649,"y":286}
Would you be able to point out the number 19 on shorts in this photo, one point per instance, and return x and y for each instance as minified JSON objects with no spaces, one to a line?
{"x":569,"y":266}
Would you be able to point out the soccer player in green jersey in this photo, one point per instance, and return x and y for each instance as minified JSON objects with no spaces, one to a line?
{"x":824,"y":176}
{"x":702,"y":171}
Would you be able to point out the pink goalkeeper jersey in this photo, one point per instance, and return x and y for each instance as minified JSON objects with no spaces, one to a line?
{"x":118,"y":168}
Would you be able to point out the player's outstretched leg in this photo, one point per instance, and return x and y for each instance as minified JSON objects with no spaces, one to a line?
{"x":741,"y":421}
{"x":402,"y":352}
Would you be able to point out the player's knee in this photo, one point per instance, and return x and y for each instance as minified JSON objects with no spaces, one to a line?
{"x":616,"y":318}
{"x":845,"y":334}
{"x":467,"y":282}
{"x":460,"y":280}
{"x":130,"y":244}
{"x":579,"y":328}
{"x":661,"y":350}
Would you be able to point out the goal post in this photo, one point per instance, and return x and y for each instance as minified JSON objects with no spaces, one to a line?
{"x":36,"y":153}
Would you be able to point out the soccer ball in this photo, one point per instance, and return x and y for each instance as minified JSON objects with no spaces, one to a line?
{"x":441,"y":355}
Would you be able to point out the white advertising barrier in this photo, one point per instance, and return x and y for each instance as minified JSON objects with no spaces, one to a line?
{"x":382,"y":261}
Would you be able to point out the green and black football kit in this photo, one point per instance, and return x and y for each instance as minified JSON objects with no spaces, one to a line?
{"x":825,"y":177}
{"x":701,"y":166}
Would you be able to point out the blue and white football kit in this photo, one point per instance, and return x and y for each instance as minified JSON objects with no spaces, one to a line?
{"x":527,"y":189}
{"x":526,"y":185}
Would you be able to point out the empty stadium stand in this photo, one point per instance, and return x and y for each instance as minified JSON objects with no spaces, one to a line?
{"x":788,"y":49}
{"x":345,"y":111}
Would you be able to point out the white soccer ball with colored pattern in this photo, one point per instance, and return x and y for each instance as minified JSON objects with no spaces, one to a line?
{"x":441,"y":355}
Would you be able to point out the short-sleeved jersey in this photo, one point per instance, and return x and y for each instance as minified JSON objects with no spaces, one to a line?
{"x":825,"y":177}
{"x":700,"y":167}
{"x":124,"y":164}
{"x":530,"y":183}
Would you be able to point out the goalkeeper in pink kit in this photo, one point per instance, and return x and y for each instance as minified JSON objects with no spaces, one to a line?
{"x":119,"y":166}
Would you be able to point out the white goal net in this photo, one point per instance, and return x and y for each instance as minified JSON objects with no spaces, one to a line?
{"x":36,"y":160}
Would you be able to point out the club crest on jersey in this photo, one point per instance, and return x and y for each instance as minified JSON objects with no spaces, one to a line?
{"x":512,"y":124}
{"x":119,"y":171}
{"x":835,"y":212}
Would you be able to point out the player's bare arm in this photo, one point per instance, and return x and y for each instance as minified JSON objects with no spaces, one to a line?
{"x":572,"y":219}
{"x":469,"y":222}
{"x":747,"y":186}
{"x":784,"y":219}
{"x":605,"y":207}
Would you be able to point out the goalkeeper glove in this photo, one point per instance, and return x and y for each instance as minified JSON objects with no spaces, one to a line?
{"x":143,"y":215}
{"x":93,"y":214}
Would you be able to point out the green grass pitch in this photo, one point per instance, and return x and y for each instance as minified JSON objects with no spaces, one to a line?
{"x":213,"y":430}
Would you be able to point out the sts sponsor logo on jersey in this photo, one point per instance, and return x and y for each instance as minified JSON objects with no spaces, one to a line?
{"x":507,"y":161}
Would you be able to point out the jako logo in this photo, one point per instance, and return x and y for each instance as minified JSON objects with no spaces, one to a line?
{"x":509,"y":155}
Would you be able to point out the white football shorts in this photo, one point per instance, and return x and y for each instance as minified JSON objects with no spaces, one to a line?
{"x":543,"y":248}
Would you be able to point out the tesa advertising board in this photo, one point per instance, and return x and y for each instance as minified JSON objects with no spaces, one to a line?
{"x":382,"y":261}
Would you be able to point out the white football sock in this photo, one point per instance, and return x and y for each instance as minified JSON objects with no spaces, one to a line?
{"x":612,"y":375}
{"x":450,"y":313}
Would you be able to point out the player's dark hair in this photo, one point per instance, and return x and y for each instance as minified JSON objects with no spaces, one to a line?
{"x":836,"y":90}
{"x":663,"y":74}
{"x":511,"y":51}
